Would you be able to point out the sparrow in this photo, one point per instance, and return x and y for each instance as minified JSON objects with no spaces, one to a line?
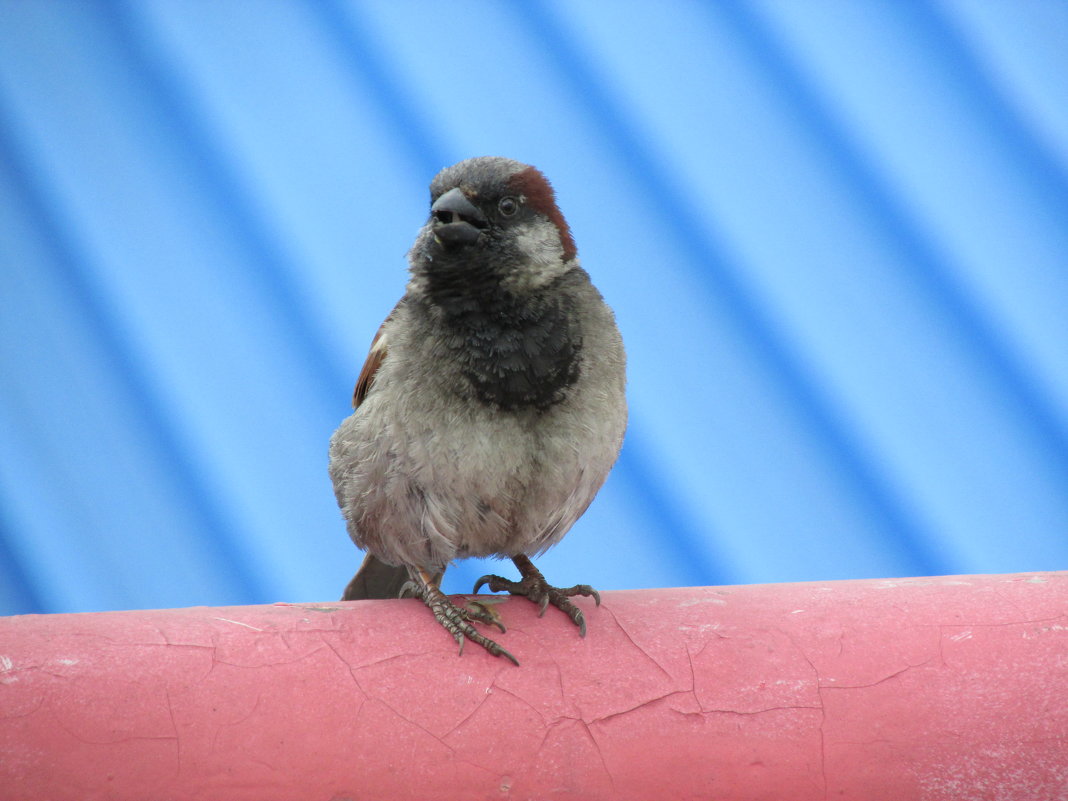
{"x":491,"y":406}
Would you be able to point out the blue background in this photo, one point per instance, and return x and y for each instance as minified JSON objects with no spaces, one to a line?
{"x":835,"y":235}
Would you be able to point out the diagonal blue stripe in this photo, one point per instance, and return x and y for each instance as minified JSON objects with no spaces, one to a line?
{"x":1034,"y":410}
{"x":1044,"y":167}
{"x":695,"y":561}
{"x":917,"y":545}
{"x":76,"y":273}
{"x":19,"y":593}
{"x":211,"y":167}
{"x":368,"y":64}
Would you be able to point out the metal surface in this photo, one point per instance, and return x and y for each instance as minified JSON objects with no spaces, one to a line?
{"x":932,"y":689}
{"x":833,"y":234}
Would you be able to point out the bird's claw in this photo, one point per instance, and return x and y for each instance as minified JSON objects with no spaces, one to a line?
{"x":456,"y":620}
{"x":484,"y":613}
{"x":534,"y":586}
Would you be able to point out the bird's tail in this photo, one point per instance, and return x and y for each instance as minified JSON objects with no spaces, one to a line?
{"x":376,"y":579}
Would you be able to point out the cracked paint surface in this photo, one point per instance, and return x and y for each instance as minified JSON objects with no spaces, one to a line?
{"x":937,"y":688}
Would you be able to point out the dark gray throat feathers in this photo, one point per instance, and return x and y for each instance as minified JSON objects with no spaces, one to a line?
{"x":517,"y":352}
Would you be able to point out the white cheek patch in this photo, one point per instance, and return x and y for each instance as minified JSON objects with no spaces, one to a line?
{"x":540,"y":241}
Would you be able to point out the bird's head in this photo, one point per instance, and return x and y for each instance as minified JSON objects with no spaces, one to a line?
{"x":494,"y":220}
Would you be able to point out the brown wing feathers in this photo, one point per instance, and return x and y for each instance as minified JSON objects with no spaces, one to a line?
{"x":370,"y":367}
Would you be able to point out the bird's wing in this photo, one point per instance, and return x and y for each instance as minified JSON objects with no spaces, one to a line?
{"x":375,"y":357}
{"x":375,"y":578}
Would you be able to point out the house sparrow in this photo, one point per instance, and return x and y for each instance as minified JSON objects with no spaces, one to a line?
{"x":492,"y":404}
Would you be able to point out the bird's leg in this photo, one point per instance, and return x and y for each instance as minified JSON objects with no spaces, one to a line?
{"x":455,"y":620}
{"x":534,"y":586}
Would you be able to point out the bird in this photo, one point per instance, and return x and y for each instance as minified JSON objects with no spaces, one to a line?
{"x":492,"y":404}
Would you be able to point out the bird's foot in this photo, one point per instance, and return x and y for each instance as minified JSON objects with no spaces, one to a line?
{"x":534,"y":586}
{"x":457,"y":620}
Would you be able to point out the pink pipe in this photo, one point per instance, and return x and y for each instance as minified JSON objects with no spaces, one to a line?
{"x":929,"y":689}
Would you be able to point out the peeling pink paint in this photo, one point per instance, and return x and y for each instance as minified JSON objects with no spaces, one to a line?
{"x":928,"y":689}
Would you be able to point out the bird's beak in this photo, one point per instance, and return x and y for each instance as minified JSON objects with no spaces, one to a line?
{"x":456,"y":220}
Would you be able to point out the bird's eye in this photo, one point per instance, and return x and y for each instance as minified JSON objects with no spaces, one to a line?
{"x":508,"y":206}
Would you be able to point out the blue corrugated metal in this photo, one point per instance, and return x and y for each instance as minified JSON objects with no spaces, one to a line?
{"x":834,"y":234}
